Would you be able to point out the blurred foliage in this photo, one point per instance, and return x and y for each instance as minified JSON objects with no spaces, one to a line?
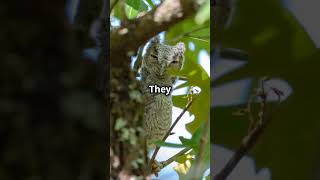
{"x":183,"y":167}
{"x":277,"y":46}
{"x":203,"y":14}
{"x":52,"y":120}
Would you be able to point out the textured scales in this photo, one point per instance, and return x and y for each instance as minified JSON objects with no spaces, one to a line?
{"x":158,"y":107}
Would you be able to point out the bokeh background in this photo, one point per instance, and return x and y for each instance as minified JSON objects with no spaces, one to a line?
{"x":52,"y":117}
{"x":279,"y":39}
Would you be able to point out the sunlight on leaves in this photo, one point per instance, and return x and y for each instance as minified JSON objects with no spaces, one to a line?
{"x":183,"y":168}
{"x":151,"y":3}
{"x":133,"y":7}
{"x":182,"y":159}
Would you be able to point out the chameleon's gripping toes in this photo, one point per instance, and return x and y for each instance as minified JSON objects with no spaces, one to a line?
{"x":158,"y":107}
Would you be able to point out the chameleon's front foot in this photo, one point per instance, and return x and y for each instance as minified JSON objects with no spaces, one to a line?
{"x":156,"y":167}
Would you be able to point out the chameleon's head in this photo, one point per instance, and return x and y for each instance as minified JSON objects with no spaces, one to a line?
{"x":159,"y":57}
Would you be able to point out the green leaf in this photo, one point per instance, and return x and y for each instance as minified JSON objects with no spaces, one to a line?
{"x":131,"y":13}
{"x":273,"y":40}
{"x":195,"y":140}
{"x":116,"y":12}
{"x":182,"y":169}
{"x":187,"y":142}
{"x":133,"y":7}
{"x":138,"y":5}
{"x":182,"y":159}
{"x":202,"y":164}
{"x":151,"y":3}
{"x":166,"y":144}
{"x":200,"y":107}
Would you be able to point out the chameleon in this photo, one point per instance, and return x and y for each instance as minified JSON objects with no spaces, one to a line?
{"x":156,"y":61}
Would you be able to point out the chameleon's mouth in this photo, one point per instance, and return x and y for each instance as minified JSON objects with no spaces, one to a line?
{"x":174,"y":64}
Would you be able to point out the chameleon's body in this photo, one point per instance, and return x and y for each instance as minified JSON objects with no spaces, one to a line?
{"x":158,"y":107}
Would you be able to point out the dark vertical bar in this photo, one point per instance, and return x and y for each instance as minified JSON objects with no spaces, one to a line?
{"x":105,"y":74}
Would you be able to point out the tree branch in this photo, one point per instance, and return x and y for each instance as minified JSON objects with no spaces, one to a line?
{"x":188,"y":33}
{"x":173,"y":158}
{"x":199,"y":160}
{"x":233,"y":54}
{"x":169,"y":131}
{"x":251,"y":139}
{"x":127,"y":38}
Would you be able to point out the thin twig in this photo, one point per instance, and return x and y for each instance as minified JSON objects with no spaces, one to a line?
{"x":199,"y":37}
{"x":188,"y":33}
{"x":249,"y":110}
{"x":169,"y":131}
{"x":250,"y":140}
{"x":246,"y":145}
{"x":173,"y":158}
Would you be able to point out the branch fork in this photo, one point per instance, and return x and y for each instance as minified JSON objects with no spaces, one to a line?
{"x":255,"y":130}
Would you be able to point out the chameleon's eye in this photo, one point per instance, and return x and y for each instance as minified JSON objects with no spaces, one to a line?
{"x":154,"y":56}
